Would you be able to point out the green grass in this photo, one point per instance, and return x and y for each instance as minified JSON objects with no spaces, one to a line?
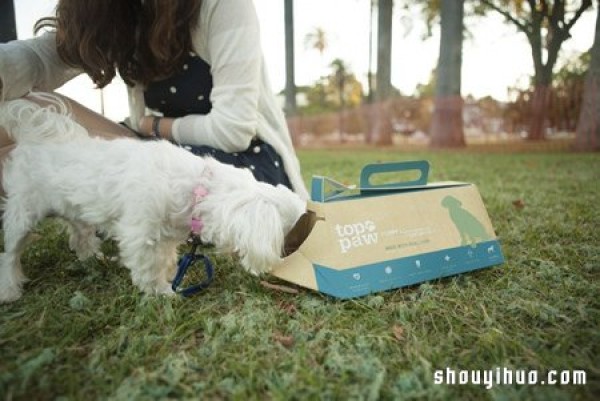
{"x":83,"y":332}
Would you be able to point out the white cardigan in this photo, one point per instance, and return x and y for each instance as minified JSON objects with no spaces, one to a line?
{"x":227,"y":37}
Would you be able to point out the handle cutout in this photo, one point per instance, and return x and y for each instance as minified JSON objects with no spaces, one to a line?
{"x":394,"y":175}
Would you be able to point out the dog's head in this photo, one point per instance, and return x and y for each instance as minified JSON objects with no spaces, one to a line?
{"x":249,"y":218}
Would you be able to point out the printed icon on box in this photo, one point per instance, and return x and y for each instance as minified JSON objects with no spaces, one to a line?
{"x":356,"y":276}
{"x":470,"y":229}
{"x":447,"y":258}
{"x":388,"y":270}
{"x":491,"y":249}
{"x":418,"y":263}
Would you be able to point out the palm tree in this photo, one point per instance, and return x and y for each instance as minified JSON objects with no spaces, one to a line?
{"x":317,"y":40}
{"x":447,"y":123}
{"x":340,"y":77}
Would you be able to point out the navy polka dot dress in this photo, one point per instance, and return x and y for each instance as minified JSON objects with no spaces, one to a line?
{"x":175,"y":97}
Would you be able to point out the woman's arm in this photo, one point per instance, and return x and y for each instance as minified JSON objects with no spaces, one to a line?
{"x":235,"y":56}
{"x":32,"y":64}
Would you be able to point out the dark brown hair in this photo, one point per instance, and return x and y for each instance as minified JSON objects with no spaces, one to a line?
{"x":142,"y":40}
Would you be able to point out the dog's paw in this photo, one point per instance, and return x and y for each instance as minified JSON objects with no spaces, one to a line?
{"x":164,"y":289}
{"x":259,"y":267}
{"x":258,"y":270}
{"x":9,"y":294}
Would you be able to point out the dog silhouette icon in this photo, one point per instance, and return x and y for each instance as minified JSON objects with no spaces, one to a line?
{"x":470,"y":229}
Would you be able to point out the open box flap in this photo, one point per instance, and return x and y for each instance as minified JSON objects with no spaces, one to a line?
{"x":296,"y":266}
{"x":297,"y":269}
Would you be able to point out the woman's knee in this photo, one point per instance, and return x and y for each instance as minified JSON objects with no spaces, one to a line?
{"x":95,"y":123}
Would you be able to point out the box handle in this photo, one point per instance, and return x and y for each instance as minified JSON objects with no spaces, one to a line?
{"x":325,"y":189}
{"x":370,"y":170}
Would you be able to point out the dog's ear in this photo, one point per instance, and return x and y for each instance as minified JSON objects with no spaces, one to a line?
{"x":291,"y":207}
{"x":261,"y":243}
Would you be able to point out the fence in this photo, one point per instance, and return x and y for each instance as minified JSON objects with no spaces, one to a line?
{"x":409,"y":119}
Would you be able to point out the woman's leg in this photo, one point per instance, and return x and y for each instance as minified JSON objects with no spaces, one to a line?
{"x":260,"y":158}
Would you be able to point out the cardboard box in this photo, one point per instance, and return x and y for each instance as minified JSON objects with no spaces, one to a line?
{"x":355,"y":241}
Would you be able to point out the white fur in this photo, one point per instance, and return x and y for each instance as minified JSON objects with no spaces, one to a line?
{"x":140,"y":193}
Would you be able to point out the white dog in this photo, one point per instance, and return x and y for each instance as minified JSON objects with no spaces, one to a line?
{"x":146,"y":195}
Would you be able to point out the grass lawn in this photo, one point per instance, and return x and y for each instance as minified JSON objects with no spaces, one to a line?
{"x":83,"y":332}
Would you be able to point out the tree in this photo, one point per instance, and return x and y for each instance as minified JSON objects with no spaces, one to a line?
{"x":447,"y":124}
{"x":341,"y":88}
{"x":340,"y":76}
{"x":8,"y":27}
{"x":370,"y":70}
{"x":427,"y":89}
{"x":547,"y":25}
{"x":588,"y":127}
{"x":381,"y":131}
{"x":445,"y":84}
{"x":567,"y":93}
{"x":384,"y":50}
{"x":290,"y":82}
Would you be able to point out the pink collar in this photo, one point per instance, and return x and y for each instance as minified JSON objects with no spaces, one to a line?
{"x":196,"y":224}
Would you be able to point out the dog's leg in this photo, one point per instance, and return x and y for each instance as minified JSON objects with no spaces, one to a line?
{"x":149,"y":263}
{"x":83,"y":240}
{"x":18,"y":220}
{"x":168,"y":262}
{"x":11,"y":278}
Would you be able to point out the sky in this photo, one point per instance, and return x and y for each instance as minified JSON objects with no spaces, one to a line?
{"x":495,"y":56}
